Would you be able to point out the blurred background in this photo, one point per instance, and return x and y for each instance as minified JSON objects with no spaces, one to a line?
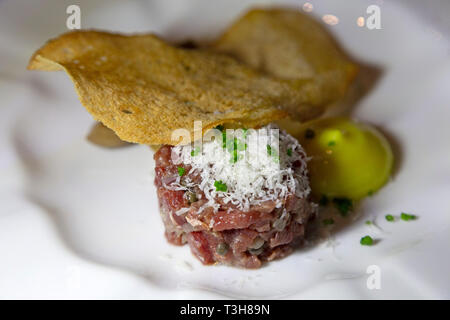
{"x":57,"y":221}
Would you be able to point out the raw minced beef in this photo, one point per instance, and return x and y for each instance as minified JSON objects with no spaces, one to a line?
{"x":226,"y":233}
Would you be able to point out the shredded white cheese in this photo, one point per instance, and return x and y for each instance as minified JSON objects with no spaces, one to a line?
{"x":260,"y":169}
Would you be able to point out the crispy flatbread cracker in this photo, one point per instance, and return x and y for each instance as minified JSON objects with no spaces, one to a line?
{"x":294,"y":46}
{"x":105,"y":137}
{"x":143,"y":88}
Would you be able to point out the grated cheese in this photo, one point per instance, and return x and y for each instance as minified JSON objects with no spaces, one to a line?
{"x":260,"y":169}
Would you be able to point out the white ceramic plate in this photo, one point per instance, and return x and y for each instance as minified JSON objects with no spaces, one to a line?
{"x":77,"y":221}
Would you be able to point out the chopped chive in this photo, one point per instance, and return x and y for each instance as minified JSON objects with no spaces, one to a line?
{"x":309,"y":133}
{"x":366,"y":241}
{"x":370,"y":193}
{"x":407,"y":217}
{"x":368,"y":222}
{"x":269,"y":150}
{"x":233,"y":146}
{"x":245,"y":132}
{"x":331,"y":143}
{"x":389,"y":217}
{"x":289,"y":152}
{"x":220,"y":186}
{"x":344,"y":205}
{"x":181,"y":171}
{"x":240,"y":145}
{"x":235,"y":157}
{"x":236,"y":144}
{"x":273,"y":153}
{"x":327,"y":222}
{"x":224,"y":139}
{"x":195,"y":152}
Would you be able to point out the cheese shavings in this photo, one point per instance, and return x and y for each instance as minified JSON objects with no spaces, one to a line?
{"x":260,"y":165}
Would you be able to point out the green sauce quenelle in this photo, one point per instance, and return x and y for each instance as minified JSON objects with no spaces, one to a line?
{"x":349,"y":159}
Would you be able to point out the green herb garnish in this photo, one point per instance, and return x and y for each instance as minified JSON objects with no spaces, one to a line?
{"x":273,"y":153}
{"x":368,"y":222}
{"x":235,"y":157}
{"x":407,"y":217}
{"x":344,"y":205}
{"x":224,"y":139}
{"x":269,"y":150}
{"x":389,"y":217}
{"x":236,"y":144}
{"x":331,"y":143}
{"x":220,"y":186}
{"x":195,"y":151}
{"x":366,"y":241}
{"x":327,"y":222}
{"x":233,"y":146}
{"x":181,"y":171}
{"x":289,"y":152}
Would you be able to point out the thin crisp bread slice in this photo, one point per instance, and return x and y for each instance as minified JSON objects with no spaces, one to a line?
{"x":144,"y":89}
{"x":293,"y":46}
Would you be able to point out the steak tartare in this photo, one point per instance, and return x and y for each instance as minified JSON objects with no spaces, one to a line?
{"x":240,"y":199}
